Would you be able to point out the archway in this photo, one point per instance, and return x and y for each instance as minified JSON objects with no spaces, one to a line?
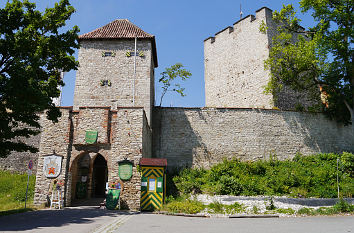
{"x":99,"y":176}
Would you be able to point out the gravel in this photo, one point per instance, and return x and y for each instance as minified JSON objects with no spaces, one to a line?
{"x":261,"y":202}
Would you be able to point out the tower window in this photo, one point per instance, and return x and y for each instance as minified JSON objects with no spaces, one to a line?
{"x":108,"y":54}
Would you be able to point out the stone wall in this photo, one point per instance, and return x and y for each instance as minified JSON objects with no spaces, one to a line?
{"x":119,"y":69}
{"x":202,"y":137}
{"x":234,"y":69}
{"x":55,"y":137}
{"x":18,"y":161}
{"x":147,"y":139}
{"x":124,"y":128}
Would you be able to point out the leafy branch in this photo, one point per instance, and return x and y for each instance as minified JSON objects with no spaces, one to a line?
{"x":169,"y":76}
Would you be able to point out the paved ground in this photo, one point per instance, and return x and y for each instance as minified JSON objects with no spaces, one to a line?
{"x":88,"y":219}
{"x":145,"y":223}
{"x":96,"y":220}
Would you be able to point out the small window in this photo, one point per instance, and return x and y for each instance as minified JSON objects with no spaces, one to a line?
{"x":107,"y":54}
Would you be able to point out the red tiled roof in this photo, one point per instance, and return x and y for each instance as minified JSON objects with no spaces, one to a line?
{"x":153,"y":162}
{"x":119,"y":28}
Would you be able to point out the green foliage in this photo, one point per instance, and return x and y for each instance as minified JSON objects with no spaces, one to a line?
{"x":271,"y":205}
{"x":219,"y":208}
{"x":339,"y":208}
{"x":343,"y":207}
{"x":285,"y":211}
{"x":216,"y":207}
{"x":184,"y":206}
{"x":255,"y":209}
{"x":13,"y":190}
{"x":190,"y":180}
{"x":304,"y":176}
{"x":33,"y":51}
{"x":169,"y":76}
{"x":322,"y":56}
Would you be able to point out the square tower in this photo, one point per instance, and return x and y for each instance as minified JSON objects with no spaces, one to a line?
{"x":234,"y":64}
{"x":116,"y":69}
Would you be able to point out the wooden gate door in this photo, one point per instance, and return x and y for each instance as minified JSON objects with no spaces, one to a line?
{"x":152,"y":188}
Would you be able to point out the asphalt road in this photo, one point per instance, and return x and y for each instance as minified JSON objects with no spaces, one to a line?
{"x":145,"y":223}
{"x":95,"y":220}
{"x":88,"y":219}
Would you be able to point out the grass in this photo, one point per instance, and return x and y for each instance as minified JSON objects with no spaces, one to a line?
{"x":13,"y":193}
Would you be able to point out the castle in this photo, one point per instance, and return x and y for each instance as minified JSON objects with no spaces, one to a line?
{"x":114,"y":99}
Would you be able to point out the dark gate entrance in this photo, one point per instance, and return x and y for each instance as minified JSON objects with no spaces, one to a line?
{"x":100,"y":176}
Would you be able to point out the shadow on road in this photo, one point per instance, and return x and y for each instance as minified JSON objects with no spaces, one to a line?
{"x":55,"y":218}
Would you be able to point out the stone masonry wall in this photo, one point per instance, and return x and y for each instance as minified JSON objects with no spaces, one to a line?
{"x":202,"y":137}
{"x":234,"y":68}
{"x":54,"y":137}
{"x":18,"y":161}
{"x":91,"y":118}
{"x":125,"y":141}
{"x":147,"y":139}
{"x":119,"y":69}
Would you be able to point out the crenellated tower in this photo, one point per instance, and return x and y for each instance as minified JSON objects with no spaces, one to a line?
{"x":234,"y":67}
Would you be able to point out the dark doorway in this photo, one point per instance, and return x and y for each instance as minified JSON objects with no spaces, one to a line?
{"x":100,"y":176}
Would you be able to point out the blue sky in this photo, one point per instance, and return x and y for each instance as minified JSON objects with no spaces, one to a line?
{"x":179,"y":27}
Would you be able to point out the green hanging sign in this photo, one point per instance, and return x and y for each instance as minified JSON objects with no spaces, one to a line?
{"x":125,"y":170}
{"x":91,"y":136}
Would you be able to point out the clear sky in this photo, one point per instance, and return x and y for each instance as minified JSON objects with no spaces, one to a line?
{"x":179,"y":27}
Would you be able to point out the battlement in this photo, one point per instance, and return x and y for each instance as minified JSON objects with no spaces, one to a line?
{"x":263,"y":13}
{"x":234,"y":64}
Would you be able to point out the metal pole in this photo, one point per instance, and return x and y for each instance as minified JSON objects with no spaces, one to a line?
{"x":337,"y":177}
{"x":134,"y":72}
{"x":27,"y":189}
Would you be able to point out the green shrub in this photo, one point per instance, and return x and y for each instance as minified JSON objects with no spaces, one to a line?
{"x":255,"y":209}
{"x":190,"y":180}
{"x":219,"y":208}
{"x":306,"y":211}
{"x":343,"y":207}
{"x":303,"y":176}
{"x":185,"y":206}
{"x":216,"y":207}
{"x":285,"y":211}
{"x":235,"y":208}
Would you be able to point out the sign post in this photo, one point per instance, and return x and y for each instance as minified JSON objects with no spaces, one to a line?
{"x":29,"y":172}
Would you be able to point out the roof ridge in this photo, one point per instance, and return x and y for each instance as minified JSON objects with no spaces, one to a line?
{"x":118,"y":28}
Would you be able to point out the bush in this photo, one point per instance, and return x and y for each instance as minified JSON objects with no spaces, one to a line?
{"x":304,"y":176}
{"x":184,"y":206}
{"x":343,"y":207}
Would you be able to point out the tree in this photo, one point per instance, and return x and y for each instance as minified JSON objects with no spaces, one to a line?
{"x":32,"y":54}
{"x":171,"y":74}
{"x":320,"y":58}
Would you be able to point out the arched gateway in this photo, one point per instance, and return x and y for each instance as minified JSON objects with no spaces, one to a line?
{"x":110,"y":119}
